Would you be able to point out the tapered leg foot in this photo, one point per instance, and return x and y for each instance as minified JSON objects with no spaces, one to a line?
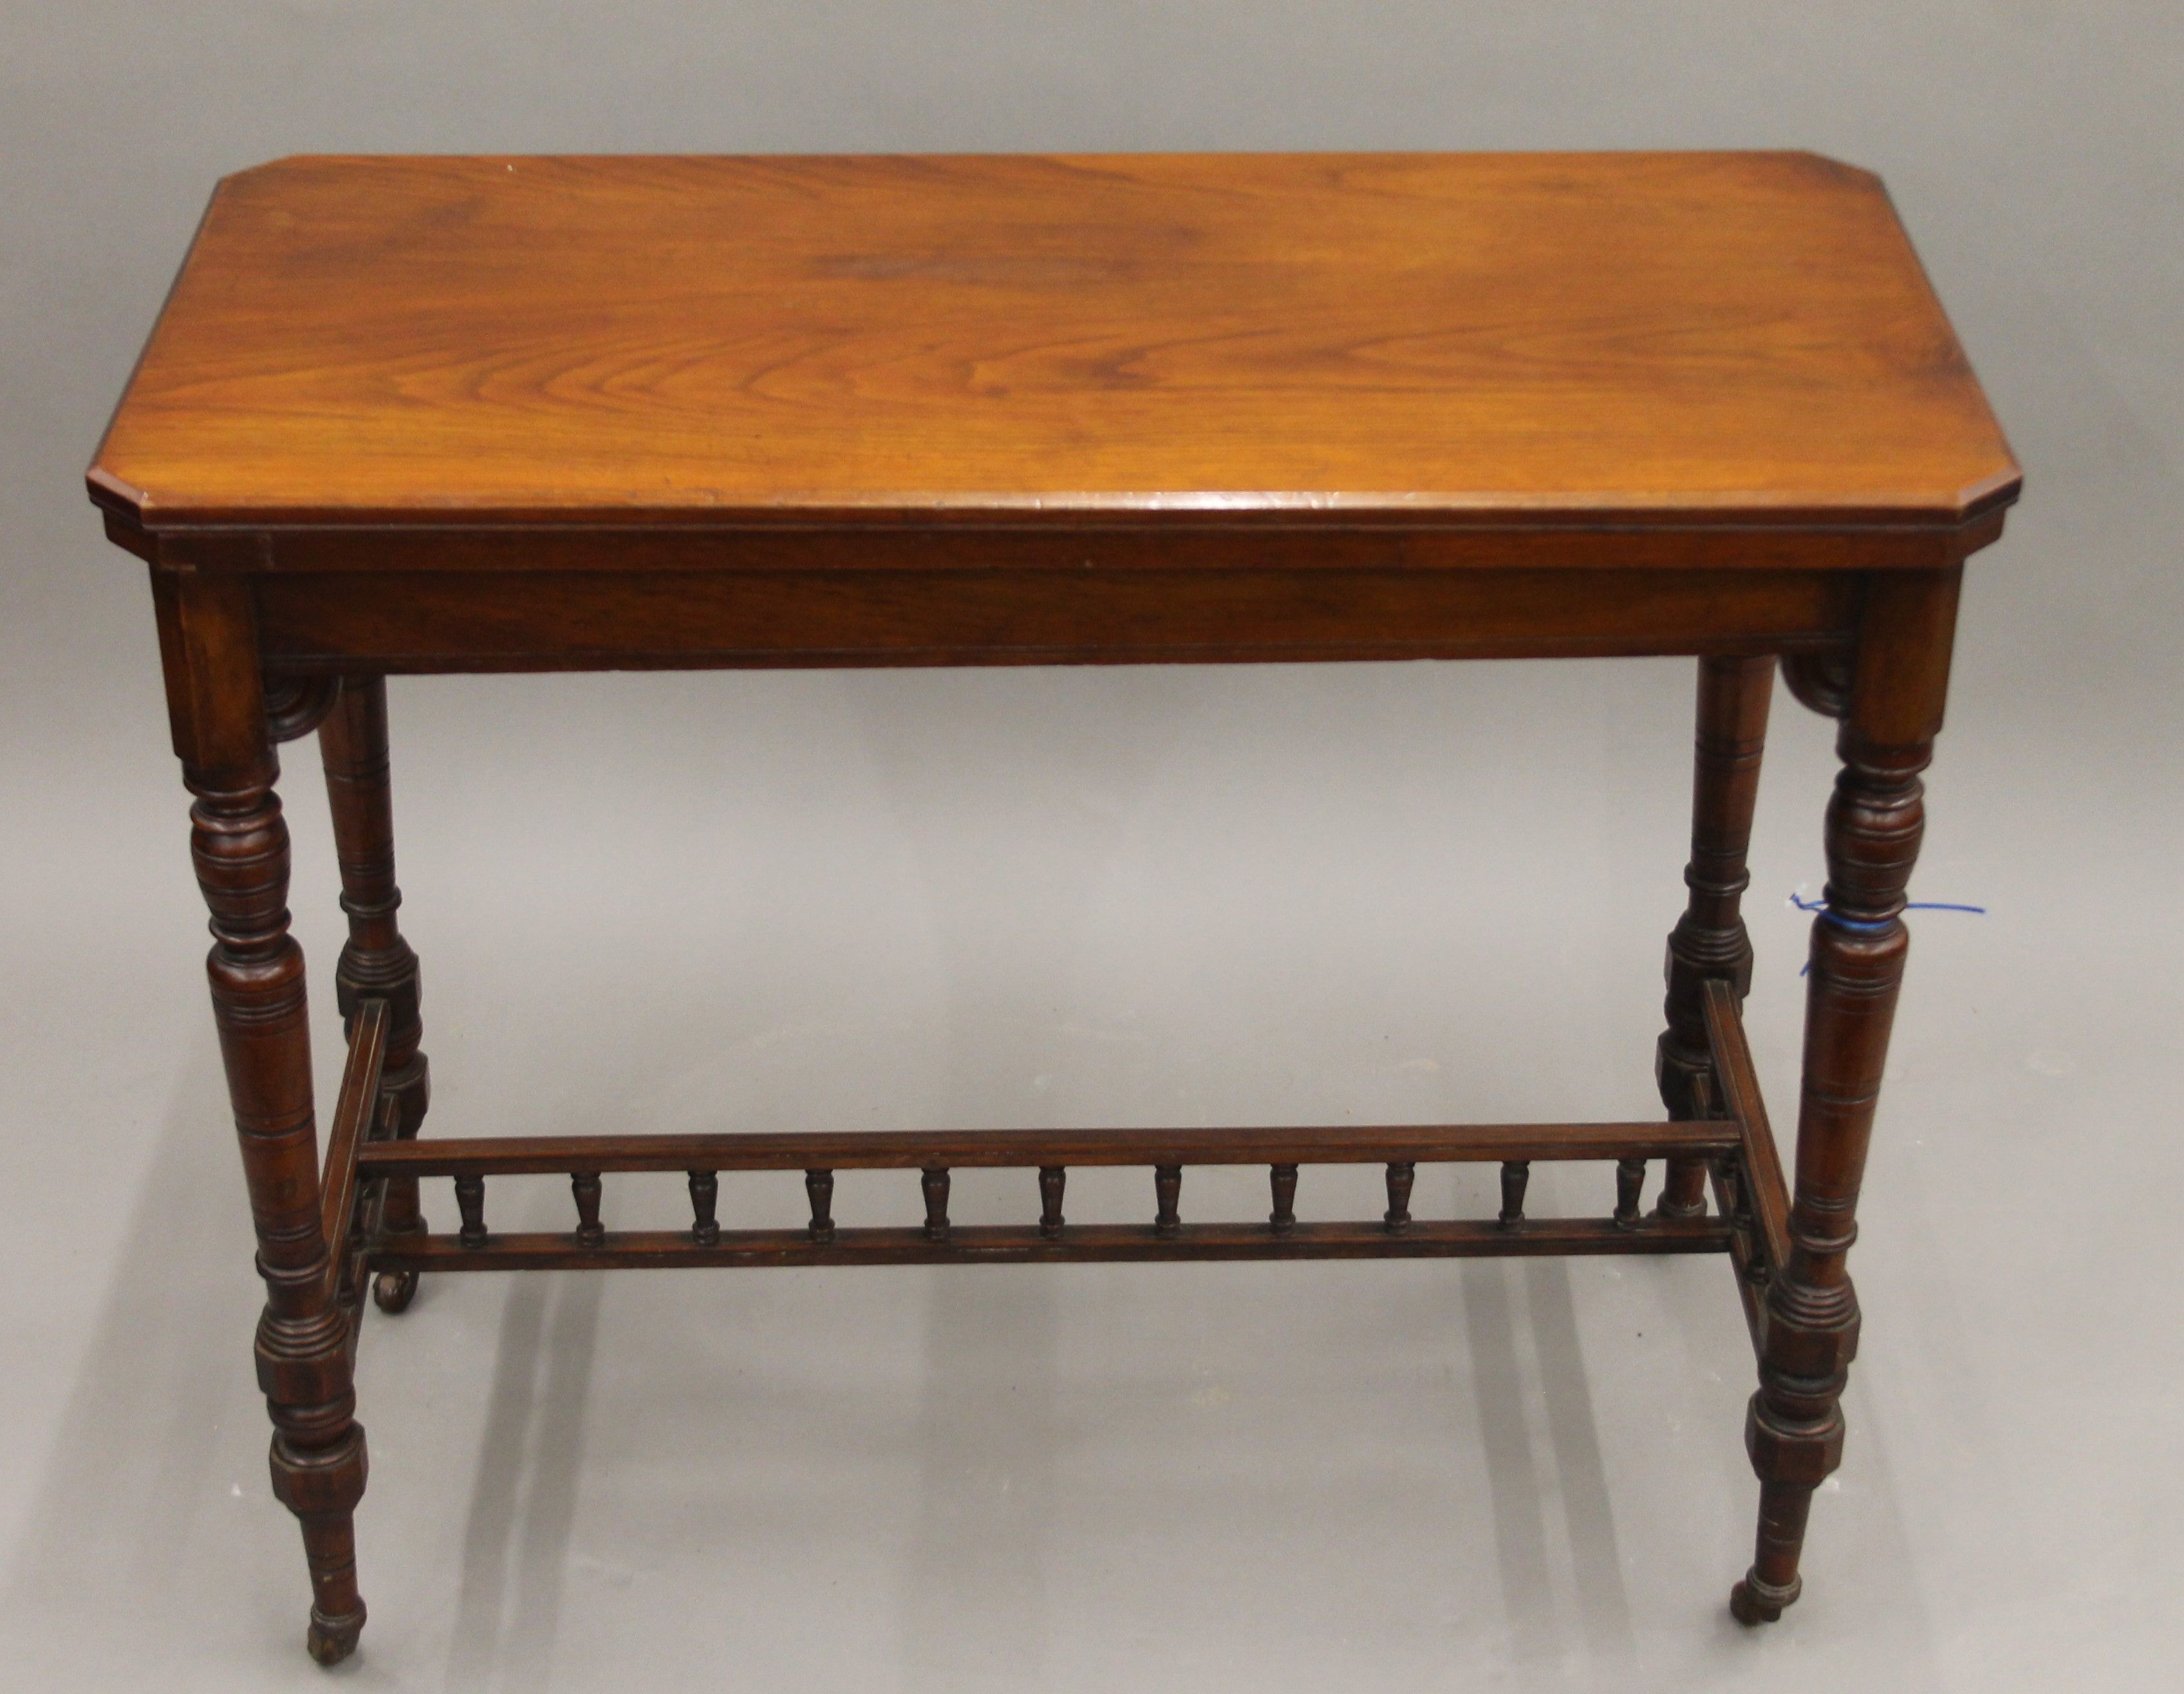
{"x":1773,"y":1581}
{"x":322,"y":1487}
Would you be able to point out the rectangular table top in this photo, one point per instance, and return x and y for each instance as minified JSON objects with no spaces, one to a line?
{"x":1303,"y":340}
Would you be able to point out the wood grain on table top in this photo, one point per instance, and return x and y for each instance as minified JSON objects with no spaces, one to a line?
{"x":1412,"y":339}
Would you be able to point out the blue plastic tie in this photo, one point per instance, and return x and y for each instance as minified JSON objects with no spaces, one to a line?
{"x":1866,"y":926}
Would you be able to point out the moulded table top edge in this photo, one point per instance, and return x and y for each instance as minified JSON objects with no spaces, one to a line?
{"x":1231,"y":508}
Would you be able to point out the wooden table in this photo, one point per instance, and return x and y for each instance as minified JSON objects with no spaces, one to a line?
{"x":404,"y":416}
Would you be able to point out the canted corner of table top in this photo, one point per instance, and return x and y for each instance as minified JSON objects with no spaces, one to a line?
{"x":1403,"y":340}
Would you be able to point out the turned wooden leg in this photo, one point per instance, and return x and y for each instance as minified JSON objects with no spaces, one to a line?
{"x":240,"y":844}
{"x":1709,"y":939}
{"x":377,"y":963}
{"x":1891,"y":709}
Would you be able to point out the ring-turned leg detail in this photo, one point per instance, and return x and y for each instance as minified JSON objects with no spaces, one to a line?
{"x":1709,"y":939}
{"x":377,"y":963}
{"x":240,"y":844}
{"x":1794,"y":1427}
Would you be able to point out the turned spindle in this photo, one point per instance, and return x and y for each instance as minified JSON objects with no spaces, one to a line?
{"x":705,"y":1197}
{"x":1167,"y":1190}
{"x":1516,"y":1176}
{"x":1051,"y":1180}
{"x":1283,"y":1216}
{"x":470,"y":1200}
{"x":586,"y":1186}
{"x":934,"y":1181}
{"x":1630,"y":1183}
{"x":819,"y":1186}
{"x":1400,"y":1175}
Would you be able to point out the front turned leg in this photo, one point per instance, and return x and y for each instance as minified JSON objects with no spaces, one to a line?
{"x":223,"y":733}
{"x":1709,"y":938}
{"x":241,"y":845}
{"x":1794,"y":1428}
{"x":377,"y":963}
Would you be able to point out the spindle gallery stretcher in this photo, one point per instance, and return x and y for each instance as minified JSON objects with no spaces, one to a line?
{"x":1737,"y":1150}
{"x":410,"y":415}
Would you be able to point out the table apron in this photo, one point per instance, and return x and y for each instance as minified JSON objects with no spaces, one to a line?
{"x":419,"y":621}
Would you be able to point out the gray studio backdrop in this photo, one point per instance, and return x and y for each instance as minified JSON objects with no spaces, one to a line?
{"x":1058,"y":897}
